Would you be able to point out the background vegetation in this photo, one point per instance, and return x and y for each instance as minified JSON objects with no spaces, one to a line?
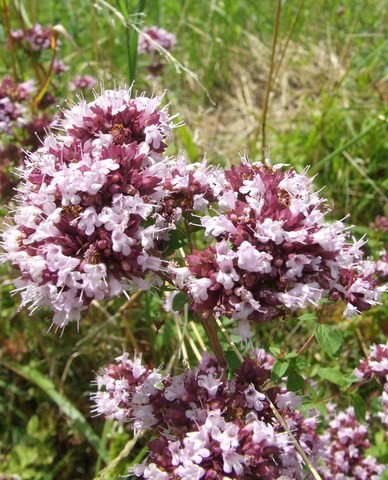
{"x":326,"y":109}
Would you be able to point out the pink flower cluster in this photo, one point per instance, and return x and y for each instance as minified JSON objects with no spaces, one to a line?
{"x":87,"y":205}
{"x":204,"y":425}
{"x":99,"y":202}
{"x":343,"y":449}
{"x":382,"y":267}
{"x":150,"y":36}
{"x":18,"y":131}
{"x":272,"y":250}
{"x":376,"y":366}
{"x":37,"y":37}
{"x":380,"y":223}
{"x":12,"y":97}
{"x":82,"y":82}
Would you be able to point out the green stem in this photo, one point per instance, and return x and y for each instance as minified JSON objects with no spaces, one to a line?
{"x":340,"y":149}
{"x":7,"y":26}
{"x":306,"y":345}
{"x":42,"y":90}
{"x":131,"y":39}
{"x":275,"y":411}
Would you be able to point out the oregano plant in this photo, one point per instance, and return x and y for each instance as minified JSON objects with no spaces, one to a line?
{"x":102,"y":211}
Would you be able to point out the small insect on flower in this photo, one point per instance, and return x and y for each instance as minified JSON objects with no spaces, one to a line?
{"x":158,"y":323}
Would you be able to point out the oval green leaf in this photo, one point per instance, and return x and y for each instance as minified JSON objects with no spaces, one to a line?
{"x":179,"y":301}
{"x":329,"y":338}
{"x":295,"y":382}
{"x":334,"y":376}
{"x":279,"y":369}
{"x":358,"y":403}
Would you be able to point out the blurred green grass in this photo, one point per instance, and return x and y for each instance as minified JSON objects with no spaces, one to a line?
{"x":327,"y":109}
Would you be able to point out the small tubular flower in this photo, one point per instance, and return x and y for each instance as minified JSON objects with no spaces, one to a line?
{"x":376,"y":366}
{"x":343,"y":450}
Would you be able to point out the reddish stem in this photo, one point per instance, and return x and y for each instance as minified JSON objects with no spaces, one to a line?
{"x":210,"y":327}
{"x":306,"y":345}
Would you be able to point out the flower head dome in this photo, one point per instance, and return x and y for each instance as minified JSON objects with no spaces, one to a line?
{"x":82,"y":226}
{"x":272,"y":250}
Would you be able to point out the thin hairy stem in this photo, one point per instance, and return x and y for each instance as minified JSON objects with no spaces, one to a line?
{"x":229,"y":340}
{"x":269,"y":81}
{"x":290,"y":33}
{"x":129,"y":446}
{"x":297,"y":446}
{"x":306,"y":345}
{"x":132,"y":39}
{"x":194,"y":347}
{"x":210,"y":327}
{"x":43,"y":89}
{"x":197,"y":335}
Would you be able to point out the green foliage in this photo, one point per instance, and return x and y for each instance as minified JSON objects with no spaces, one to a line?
{"x":73,"y":414}
{"x":34,"y":453}
{"x":380,"y":449}
{"x":295,"y":382}
{"x":329,"y":338}
{"x":179,"y":301}
{"x":279,"y":369}
{"x":334,"y":375}
{"x":359,"y":405}
{"x":326,"y":110}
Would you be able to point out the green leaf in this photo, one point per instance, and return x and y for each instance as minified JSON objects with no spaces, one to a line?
{"x":72,"y":413}
{"x":23,"y":13}
{"x":188,"y":142}
{"x":334,"y":376}
{"x":291,"y":355}
{"x":307,"y":317}
{"x":301,"y":363}
{"x":295,"y":382}
{"x":358,"y":403}
{"x":179,"y":301}
{"x":233,"y":361}
{"x":177,"y":240}
{"x":279,"y":369}
{"x":329,"y":338}
{"x":33,"y":425}
{"x":275,"y":351}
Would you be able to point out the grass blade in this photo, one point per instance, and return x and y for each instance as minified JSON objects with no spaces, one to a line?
{"x":72,"y":413}
{"x":340,"y":149}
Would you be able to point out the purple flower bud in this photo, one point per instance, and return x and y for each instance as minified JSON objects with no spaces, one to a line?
{"x":150,"y":37}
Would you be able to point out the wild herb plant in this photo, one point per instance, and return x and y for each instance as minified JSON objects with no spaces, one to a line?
{"x":225,"y":259}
